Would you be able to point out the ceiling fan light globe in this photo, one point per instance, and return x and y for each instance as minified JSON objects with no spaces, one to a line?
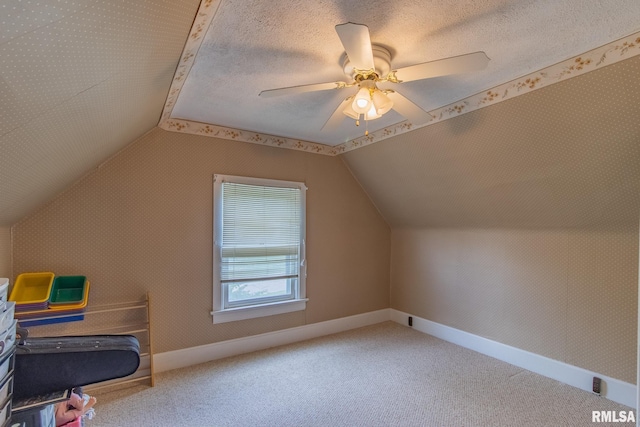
{"x":381,"y":102}
{"x":350,"y":112}
{"x":372,"y":114}
{"x":362,"y":102}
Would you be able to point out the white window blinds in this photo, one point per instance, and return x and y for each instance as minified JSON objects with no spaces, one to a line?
{"x":261,"y":233}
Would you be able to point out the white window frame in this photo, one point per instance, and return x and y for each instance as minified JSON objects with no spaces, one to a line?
{"x":267,"y":307}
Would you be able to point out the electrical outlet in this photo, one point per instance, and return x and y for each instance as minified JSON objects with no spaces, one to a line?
{"x":410,"y":321}
{"x":596,"y":385}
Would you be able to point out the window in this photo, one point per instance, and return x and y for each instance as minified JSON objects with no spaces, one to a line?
{"x":259,"y":264}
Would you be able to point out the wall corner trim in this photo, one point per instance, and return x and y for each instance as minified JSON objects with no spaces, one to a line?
{"x":616,"y":390}
{"x":205,"y":353}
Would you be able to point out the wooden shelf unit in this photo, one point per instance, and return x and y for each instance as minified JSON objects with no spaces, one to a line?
{"x":125,"y":318}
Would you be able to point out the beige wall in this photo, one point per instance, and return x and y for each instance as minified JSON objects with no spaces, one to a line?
{"x":570,"y":295}
{"x":142,"y":221}
{"x":519,"y":222}
{"x":5,"y":251}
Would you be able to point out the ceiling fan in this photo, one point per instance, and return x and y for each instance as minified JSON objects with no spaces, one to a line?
{"x":365,"y":65}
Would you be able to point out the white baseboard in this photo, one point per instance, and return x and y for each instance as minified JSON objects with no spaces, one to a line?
{"x":613,"y":389}
{"x":208,"y":352}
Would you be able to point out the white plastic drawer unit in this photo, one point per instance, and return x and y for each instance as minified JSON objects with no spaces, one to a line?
{"x":5,"y":412}
{"x":5,"y":367}
{"x":4,"y":289}
{"x":6,"y":314}
{"x":5,"y":389}
{"x":8,"y":338}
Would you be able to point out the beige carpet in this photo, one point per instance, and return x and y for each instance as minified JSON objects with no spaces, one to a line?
{"x":381,"y":375}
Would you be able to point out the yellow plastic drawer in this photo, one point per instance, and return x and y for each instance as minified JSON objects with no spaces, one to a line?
{"x":32,"y":288}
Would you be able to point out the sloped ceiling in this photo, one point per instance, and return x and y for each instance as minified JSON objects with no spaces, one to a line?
{"x":565,"y":156}
{"x":81,"y":79}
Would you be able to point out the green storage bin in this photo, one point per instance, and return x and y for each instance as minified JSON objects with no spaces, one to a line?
{"x":68,"y":290}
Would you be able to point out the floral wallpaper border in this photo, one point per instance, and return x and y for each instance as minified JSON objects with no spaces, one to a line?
{"x":608,"y":54}
{"x":206,"y":12}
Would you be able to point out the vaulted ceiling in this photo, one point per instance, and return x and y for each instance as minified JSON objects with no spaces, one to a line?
{"x":566,"y":156}
{"x":81,"y":79}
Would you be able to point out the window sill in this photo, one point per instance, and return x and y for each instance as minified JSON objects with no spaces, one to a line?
{"x":242,"y":313}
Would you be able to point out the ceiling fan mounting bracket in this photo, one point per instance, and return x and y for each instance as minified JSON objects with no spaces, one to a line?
{"x":381,"y":62}
{"x":365,"y":75}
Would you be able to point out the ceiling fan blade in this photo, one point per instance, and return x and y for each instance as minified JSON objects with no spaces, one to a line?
{"x":454,"y":65}
{"x":337,"y":117}
{"x":408,"y":109}
{"x":357,"y":43}
{"x":302,"y":88}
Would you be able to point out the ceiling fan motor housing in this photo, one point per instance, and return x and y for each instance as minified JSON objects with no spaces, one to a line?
{"x":381,"y":62}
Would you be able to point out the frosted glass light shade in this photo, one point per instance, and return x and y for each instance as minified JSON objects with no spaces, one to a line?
{"x":381,"y":102}
{"x":350,"y":112}
{"x":372,"y":114}
{"x":362,"y":102}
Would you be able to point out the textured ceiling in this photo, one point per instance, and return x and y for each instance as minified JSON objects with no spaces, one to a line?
{"x":253,"y":46}
{"x":81,"y":79}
